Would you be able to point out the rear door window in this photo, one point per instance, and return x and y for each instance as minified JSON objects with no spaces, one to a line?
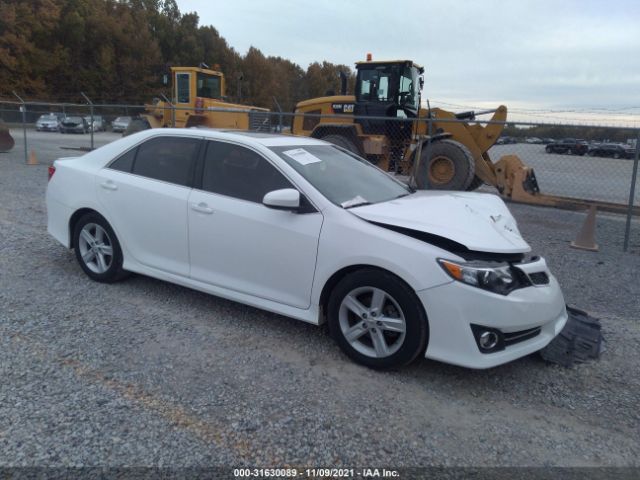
{"x":169,"y":159}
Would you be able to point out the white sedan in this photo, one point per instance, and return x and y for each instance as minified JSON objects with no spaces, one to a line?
{"x":306,"y":229}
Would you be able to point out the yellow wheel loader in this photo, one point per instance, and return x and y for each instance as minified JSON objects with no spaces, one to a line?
{"x":6,"y":140}
{"x":198,"y":96}
{"x":450,"y":154}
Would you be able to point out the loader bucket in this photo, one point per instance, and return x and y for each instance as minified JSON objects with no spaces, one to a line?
{"x":6,"y":140}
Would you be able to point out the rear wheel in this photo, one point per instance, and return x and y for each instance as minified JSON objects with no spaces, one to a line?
{"x":136,"y":125}
{"x":616,"y":155}
{"x":549,"y":149}
{"x":97,"y":249}
{"x":343,"y":142}
{"x":446,"y":165}
{"x":377,"y":320}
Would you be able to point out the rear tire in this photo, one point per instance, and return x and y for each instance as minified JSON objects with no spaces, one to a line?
{"x":136,"y":125}
{"x":342,"y":141}
{"x":549,"y":149}
{"x":97,"y":249}
{"x":450,"y":166}
{"x":377,"y":320}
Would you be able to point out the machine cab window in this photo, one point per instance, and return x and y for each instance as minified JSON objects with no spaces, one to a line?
{"x":208,"y":86}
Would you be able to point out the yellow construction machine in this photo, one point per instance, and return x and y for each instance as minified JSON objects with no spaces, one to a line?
{"x":452,"y":153}
{"x":198,"y":98}
{"x":6,"y":140}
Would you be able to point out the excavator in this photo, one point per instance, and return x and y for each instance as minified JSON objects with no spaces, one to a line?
{"x":385,"y":122}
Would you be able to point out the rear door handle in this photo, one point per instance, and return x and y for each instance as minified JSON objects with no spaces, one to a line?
{"x":109,"y":185}
{"x":201,"y":208}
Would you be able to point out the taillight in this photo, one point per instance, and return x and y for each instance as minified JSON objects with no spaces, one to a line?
{"x":52,"y":170}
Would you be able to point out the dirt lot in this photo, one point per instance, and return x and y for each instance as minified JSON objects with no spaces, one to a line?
{"x":147,"y":373}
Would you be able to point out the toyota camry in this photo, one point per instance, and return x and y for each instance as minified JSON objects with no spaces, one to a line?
{"x":306,"y":229}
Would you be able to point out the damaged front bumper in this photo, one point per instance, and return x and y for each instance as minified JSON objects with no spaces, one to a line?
{"x":525,"y":321}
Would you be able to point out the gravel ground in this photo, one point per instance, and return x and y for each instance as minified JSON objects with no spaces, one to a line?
{"x":145,"y":373}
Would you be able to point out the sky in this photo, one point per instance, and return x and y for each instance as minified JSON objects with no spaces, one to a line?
{"x":548,"y":60}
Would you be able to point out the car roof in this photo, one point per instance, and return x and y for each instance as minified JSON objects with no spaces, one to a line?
{"x":246,"y":137}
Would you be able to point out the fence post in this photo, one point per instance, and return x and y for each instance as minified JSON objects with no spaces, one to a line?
{"x":91,"y":113}
{"x":23,"y":109}
{"x":632,"y":193}
{"x":173,"y":110}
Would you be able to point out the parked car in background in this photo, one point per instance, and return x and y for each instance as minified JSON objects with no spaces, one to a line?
{"x":398,"y":274}
{"x":49,"y":122}
{"x":98,"y":123}
{"x":74,"y":125}
{"x":506,"y":140}
{"x":613,"y":150}
{"x":120,"y":124}
{"x":547,"y":140}
{"x":569,"y":146}
{"x":533,"y":140}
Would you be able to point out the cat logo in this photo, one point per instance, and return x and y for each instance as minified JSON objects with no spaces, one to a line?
{"x":342,"y":107}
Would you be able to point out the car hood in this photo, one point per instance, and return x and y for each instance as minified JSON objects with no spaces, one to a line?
{"x":481,"y":222}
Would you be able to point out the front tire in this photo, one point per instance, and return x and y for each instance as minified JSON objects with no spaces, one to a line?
{"x":97,"y":249}
{"x":377,"y":320}
{"x":446,"y":165}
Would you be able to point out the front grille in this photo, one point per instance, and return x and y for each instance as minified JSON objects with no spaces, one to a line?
{"x":539,"y":278}
{"x":512,"y":338}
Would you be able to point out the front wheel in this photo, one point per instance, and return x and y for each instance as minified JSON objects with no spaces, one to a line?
{"x":445,"y":165}
{"x":97,"y":249}
{"x":377,"y":320}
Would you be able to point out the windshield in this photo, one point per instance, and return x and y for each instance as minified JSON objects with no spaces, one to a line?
{"x":208,"y":86}
{"x":409,"y":91}
{"x":345,"y":179}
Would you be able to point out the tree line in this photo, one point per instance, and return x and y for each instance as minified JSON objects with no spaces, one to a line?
{"x":116,"y":51}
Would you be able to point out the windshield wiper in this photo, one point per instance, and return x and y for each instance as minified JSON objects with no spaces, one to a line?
{"x":359,"y":204}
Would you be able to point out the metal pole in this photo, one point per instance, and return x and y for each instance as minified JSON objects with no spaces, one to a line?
{"x":23,"y":109}
{"x":91,"y":110}
{"x":173,"y":110}
{"x":632,"y":193}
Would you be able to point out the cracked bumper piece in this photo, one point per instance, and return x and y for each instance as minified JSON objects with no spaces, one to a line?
{"x":453,"y":308}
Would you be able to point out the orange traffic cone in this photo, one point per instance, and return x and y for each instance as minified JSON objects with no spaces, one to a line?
{"x":32,"y":160}
{"x":586,"y":238}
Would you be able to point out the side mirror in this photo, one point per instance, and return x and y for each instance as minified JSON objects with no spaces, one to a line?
{"x":421,"y":83}
{"x":285,"y":199}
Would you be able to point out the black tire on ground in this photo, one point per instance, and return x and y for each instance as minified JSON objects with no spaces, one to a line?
{"x":476,"y":183}
{"x":97,"y":249}
{"x":548,"y":149}
{"x":399,"y":303}
{"x":591,"y":154}
{"x":342,"y":141}
{"x":136,"y":125}
{"x":616,"y":155}
{"x":450,"y":166}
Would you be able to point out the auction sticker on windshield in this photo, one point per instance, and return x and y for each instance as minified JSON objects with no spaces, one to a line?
{"x":301,"y":156}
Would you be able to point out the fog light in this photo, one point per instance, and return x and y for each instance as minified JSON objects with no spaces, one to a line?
{"x":488,"y":340}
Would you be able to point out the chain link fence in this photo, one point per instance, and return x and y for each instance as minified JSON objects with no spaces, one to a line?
{"x":584,"y":163}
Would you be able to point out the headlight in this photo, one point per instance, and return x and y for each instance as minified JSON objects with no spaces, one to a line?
{"x":499,"y":278}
